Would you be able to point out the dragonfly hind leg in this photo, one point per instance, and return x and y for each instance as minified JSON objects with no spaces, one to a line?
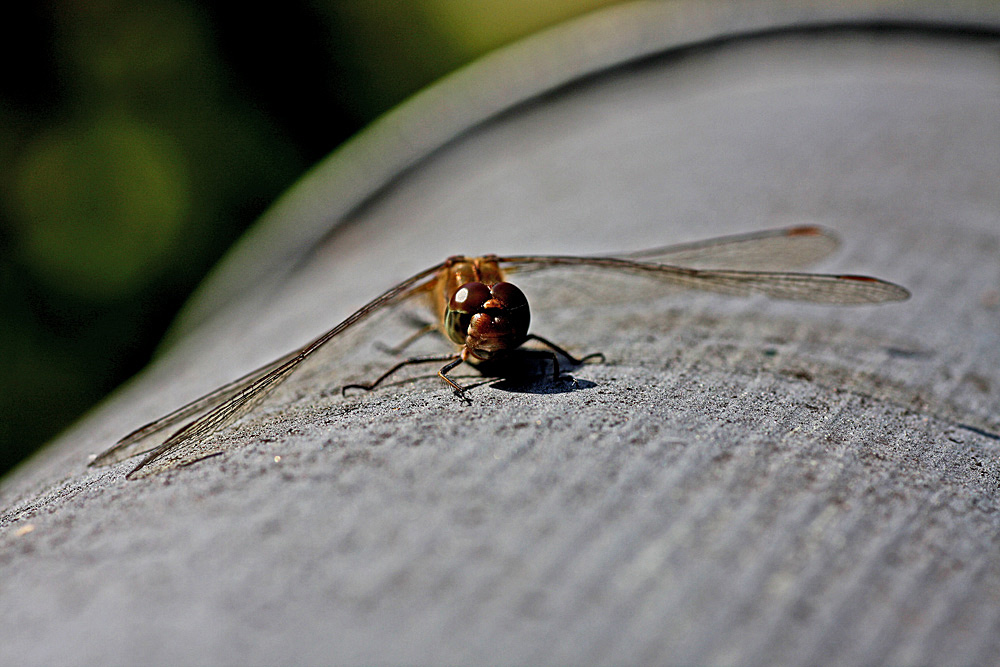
{"x":547,"y":355}
{"x":409,"y":340}
{"x":558,"y":350}
{"x":453,"y":359}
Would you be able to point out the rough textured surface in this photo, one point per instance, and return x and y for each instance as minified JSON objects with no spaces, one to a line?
{"x":741,"y":482}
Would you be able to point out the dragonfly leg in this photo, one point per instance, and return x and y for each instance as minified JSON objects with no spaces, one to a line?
{"x":406,"y":342}
{"x":457,"y":359}
{"x":573,"y":360}
{"x":443,"y":374}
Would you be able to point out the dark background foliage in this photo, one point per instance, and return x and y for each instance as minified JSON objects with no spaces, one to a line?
{"x":139,"y":139}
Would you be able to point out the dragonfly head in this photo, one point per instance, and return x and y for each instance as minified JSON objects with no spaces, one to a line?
{"x":487,"y":320}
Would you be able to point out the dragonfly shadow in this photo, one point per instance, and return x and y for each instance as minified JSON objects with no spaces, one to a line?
{"x":524,"y":372}
{"x":542,"y":385}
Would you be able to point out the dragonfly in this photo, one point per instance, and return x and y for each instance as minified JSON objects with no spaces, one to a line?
{"x":486,"y":318}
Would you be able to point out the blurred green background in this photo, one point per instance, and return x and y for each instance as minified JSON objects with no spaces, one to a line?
{"x":139,"y":139}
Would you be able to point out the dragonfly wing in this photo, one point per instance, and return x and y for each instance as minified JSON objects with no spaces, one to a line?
{"x":809,"y":287}
{"x":192,"y":443}
{"x":770,"y":250}
{"x":228,"y":403}
{"x":782,"y":249}
{"x":143,"y":439}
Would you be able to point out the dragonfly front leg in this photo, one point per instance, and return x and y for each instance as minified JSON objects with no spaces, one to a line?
{"x":443,"y":374}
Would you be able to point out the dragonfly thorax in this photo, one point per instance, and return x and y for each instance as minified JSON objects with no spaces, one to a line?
{"x":487,"y":320}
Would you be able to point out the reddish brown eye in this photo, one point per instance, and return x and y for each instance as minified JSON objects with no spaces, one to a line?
{"x":509,"y":296}
{"x":469,"y":298}
{"x":463,"y":304}
{"x":515,"y":306}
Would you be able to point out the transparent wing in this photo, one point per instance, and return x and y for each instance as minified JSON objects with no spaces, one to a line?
{"x":143,"y":439}
{"x":228,"y":403}
{"x":810,"y":287}
{"x":782,"y":249}
{"x":771,"y":250}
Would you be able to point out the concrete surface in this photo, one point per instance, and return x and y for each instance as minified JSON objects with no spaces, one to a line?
{"x":741,"y":481}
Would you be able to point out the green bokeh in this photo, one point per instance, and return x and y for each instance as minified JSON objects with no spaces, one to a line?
{"x":101,"y":207}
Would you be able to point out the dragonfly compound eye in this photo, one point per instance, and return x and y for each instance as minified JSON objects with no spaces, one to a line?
{"x":464,"y":303}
